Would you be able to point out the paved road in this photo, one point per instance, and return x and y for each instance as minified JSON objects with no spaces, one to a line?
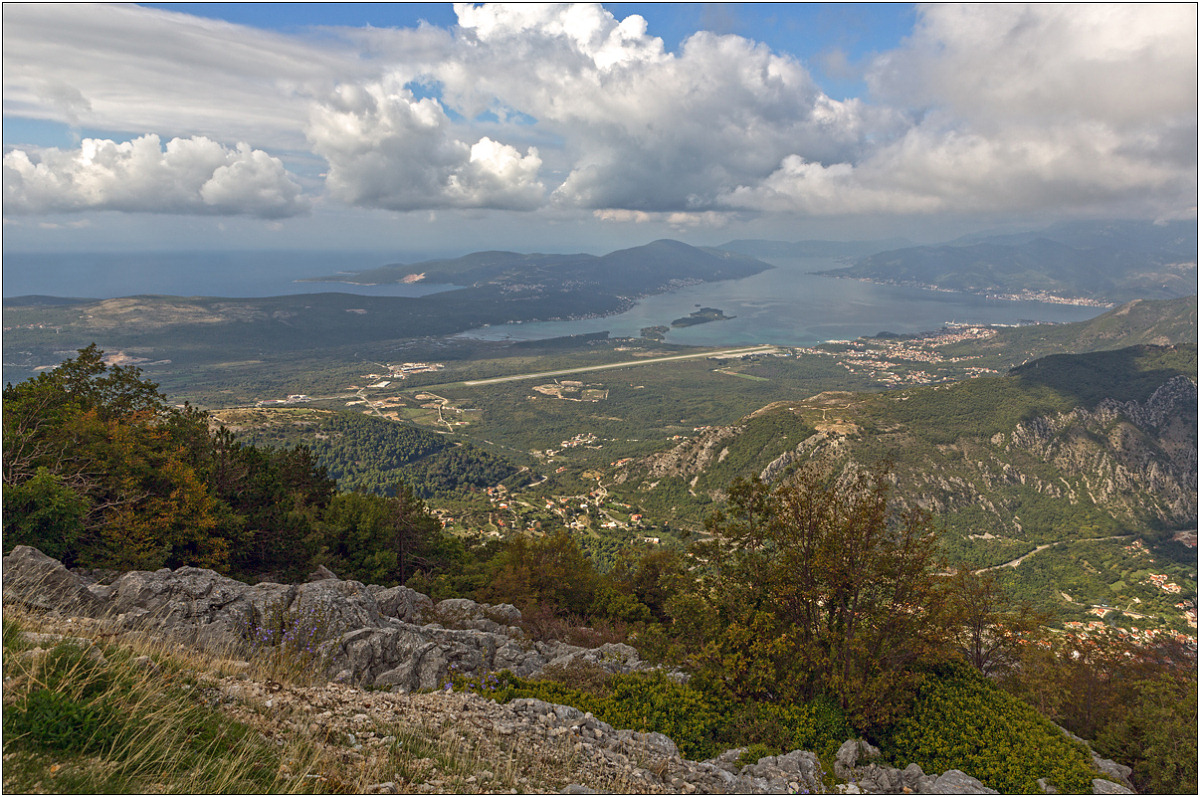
{"x":625,"y":364}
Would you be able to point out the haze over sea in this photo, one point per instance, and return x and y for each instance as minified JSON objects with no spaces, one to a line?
{"x":786,"y":305}
{"x":233,"y":274}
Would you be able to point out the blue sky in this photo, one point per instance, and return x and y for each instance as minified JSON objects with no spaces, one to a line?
{"x":809,"y":31}
{"x":445,"y":128}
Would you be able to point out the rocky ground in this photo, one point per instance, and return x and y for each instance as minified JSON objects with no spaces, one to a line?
{"x":376,"y":711}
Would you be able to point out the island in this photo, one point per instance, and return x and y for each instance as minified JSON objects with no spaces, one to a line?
{"x":702,"y":316}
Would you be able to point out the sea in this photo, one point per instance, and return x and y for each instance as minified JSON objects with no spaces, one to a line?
{"x":230,"y":275}
{"x":787,"y":305}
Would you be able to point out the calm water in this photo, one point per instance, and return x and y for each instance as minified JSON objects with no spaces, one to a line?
{"x":785,"y":305}
{"x":790,"y":306}
{"x":226,"y":274}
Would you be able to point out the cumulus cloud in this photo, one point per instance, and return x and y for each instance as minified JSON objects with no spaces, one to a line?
{"x":1018,"y":108}
{"x":642,"y":128}
{"x":388,"y":149}
{"x":192,"y":175}
{"x":1123,"y":64}
{"x":564,"y":107}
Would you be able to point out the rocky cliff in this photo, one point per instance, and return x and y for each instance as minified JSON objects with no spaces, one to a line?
{"x":1130,"y":462}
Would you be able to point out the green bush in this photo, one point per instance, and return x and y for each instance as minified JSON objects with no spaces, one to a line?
{"x":699,"y":724}
{"x":961,"y":721}
{"x":818,"y":726}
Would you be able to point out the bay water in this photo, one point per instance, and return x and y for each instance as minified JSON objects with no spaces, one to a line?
{"x":791,"y":306}
{"x":787,"y":305}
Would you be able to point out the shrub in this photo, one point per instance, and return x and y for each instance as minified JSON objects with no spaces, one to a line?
{"x":961,"y":721}
{"x":702,"y":726}
{"x":818,"y":726}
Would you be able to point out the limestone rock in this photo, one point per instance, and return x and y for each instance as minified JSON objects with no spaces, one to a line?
{"x":1102,"y":786}
{"x":849,"y":754}
{"x":321,"y":573}
{"x":1112,"y":771}
{"x":957,"y":782}
{"x":404,"y":604}
{"x":797,"y":767}
{"x":613,"y":657}
{"x":35,"y":580}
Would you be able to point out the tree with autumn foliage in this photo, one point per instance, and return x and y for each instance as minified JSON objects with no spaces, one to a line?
{"x":987,"y":627}
{"x":104,"y":451}
{"x":822,"y":585}
{"x":101,"y":470}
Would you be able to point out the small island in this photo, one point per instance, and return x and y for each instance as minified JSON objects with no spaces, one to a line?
{"x":701,"y":316}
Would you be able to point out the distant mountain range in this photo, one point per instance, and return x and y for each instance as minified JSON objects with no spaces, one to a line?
{"x":1082,"y":262}
{"x":652,"y":268}
{"x":1072,"y":457}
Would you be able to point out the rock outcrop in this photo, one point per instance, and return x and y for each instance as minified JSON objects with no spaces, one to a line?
{"x":397,"y":638}
{"x":365,"y":635}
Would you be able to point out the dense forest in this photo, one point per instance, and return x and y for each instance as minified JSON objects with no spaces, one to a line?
{"x":813,"y":607}
{"x":372,"y":454}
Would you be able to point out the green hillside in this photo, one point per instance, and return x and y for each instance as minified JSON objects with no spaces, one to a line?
{"x":1063,"y":450}
{"x":373,"y":454}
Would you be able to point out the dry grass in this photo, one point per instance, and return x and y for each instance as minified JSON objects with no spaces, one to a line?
{"x":159,"y":716}
{"x":96,"y":713}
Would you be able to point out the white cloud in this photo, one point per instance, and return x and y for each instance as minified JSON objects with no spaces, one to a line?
{"x":643,"y":129}
{"x":678,"y":220}
{"x":563,"y":108}
{"x":123,"y":67}
{"x":1058,"y":108}
{"x":193,"y":175}
{"x":388,"y":149}
{"x":1124,"y":64}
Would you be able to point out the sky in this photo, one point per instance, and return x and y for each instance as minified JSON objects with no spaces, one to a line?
{"x":585,"y":127}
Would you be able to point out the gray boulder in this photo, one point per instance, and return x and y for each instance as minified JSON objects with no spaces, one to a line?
{"x":463,"y":613}
{"x":1102,"y":786}
{"x":403,"y":603}
{"x":210,"y":609}
{"x":613,"y":657}
{"x":365,"y":635}
{"x":916,"y":780}
{"x":849,"y":754}
{"x":885,"y":780}
{"x":321,"y":573}
{"x":35,"y":581}
{"x":1112,"y":771}
{"x":788,"y":773}
{"x":956,"y":782}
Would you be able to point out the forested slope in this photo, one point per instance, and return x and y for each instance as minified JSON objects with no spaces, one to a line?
{"x":373,"y":454}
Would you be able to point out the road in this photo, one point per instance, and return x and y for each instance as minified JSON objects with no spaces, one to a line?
{"x":1016,"y":562}
{"x":624,"y":364}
